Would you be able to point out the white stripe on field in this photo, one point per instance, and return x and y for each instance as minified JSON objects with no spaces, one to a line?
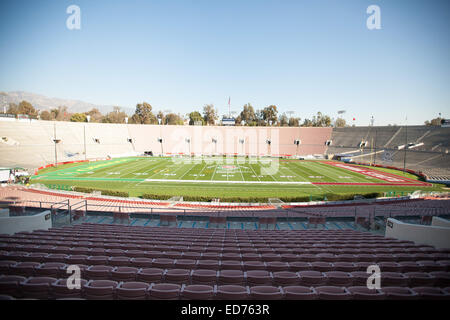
{"x":223,"y":181}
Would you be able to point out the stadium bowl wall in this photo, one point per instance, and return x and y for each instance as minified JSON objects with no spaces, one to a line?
{"x":30,"y":143}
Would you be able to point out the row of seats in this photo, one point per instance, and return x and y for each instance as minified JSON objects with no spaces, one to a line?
{"x":57,"y":245}
{"x":118,"y":242}
{"x":17,"y":259}
{"x":88,"y":227}
{"x":290,"y":236}
{"x":52,"y":245}
{"x":294,"y":243}
{"x":209,"y":275}
{"x":113,"y":234}
{"x":220,"y":241}
{"x":286,"y":237}
{"x":53,"y":288}
{"x":81,"y":255}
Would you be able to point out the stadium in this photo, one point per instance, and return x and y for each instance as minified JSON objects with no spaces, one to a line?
{"x":208,"y":156}
{"x":168,"y":212}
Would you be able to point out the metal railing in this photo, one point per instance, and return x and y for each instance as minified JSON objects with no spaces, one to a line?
{"x":63,"y":212}
{"x":59,"y":211}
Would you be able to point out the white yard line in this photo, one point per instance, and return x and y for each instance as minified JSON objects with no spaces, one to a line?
{"x":150,"y":169}
{"x":285,"y":168}
{"x":271,"y":175}
{"x":164,"y":168}
{"x":239,"y":166}
{"x":128,"y":169}
{"x":355,"y":175}
{"x":204,"y":167}
{"x":158,"y":164}
{"x":226,"y":182}
{"x":181,"y":167}
{"x":188,"y":171}
{"x":257,"y":177}
{"x":214,"y":173}
{"x":298,"y":174}
{"x":320,"y":187}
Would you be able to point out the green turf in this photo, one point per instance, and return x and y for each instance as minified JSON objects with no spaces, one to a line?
{"x":216,"y":177}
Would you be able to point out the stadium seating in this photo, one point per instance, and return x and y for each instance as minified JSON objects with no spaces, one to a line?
{"x":431,"y":158}
{"x":154,"y":277}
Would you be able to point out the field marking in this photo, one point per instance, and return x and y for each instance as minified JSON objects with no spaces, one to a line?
{"x":316,"y":168}
{"x":214,"y":173}
{"x":333,"y":174}
{"x":170,"y":166}
{"x":204,"y":166}
{"x":384,"y":176}
{"x":297,"y":165}
{"x":285,"y":167}
{"x":228,"y":182}
{"x":242,"y":175}
{"x":76,"y":167}
{"x":330,"y":172}
{"x":182,"y":166}
{"x":113,"y":166}
{"x":130,"y":170}
{"x":357,"y":176}
{"x":153,"y":166}
{"x":188,"y":171}
{"x":261,"y":165}
{"x":256,"y":175}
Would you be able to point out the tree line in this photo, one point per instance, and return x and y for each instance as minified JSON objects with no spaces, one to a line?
{"x":144,"y":114}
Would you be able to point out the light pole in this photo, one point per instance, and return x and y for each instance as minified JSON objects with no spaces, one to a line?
{"x":56,"y":141}
{"x":372,"y":156}
{"x":84,"y":137}
{"x":241,"y":141}
{"x":214,"y":140}
{"x":297,"y":143}
{"x":160,"y":140}
{"x":269,"y":142}
{"x":375,"y":148}
{"x":188,"y":141}
{"x":406,"y":143}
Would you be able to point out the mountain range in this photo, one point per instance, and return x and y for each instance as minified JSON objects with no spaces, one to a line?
{"x":42,"y":102}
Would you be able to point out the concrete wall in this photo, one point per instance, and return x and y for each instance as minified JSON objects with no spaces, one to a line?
{"x":30,"y":144}
{"x":11,"y":225}
{"x":438,"y":237}
{"x":439,"y":222}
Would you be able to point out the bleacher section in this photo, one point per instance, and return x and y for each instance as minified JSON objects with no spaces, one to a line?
{"x":431,"y":158}
{"x":119,"y":262}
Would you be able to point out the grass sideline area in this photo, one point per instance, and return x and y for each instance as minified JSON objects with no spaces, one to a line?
{"x":230,"y":179}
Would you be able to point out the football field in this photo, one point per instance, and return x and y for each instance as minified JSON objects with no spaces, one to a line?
{"x":227,"y":177}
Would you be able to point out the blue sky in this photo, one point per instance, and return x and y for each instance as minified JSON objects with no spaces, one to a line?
{"x":302,"y":55}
